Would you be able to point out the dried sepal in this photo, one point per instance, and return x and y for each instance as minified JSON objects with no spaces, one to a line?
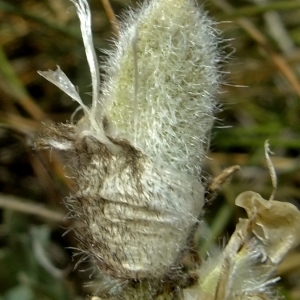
{"x":246,"y":267}
{"x":238,"y":272}
{"x":60,"y":79}
{"x":276,"y":224}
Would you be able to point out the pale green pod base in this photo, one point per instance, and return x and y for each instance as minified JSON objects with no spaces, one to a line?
{"x":137,"y":216}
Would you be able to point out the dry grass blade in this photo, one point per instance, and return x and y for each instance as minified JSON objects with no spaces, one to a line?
{"x":257,"y":35}
{"x":253,"y":10}
{"x":111,"y":16}
{"x":17,"y":90}
{"x":28,"y":207}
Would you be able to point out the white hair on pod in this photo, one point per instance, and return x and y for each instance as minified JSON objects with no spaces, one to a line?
{"x":139,"y":148}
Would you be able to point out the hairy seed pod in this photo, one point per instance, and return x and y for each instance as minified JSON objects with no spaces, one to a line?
{"x":176,"y":77}
{"x":139,"y":147}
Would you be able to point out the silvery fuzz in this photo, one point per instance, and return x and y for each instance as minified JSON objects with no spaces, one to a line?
{"x":140,"y":145}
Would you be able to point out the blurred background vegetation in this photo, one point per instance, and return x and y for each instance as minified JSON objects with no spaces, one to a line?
{"x":259,"y":99}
